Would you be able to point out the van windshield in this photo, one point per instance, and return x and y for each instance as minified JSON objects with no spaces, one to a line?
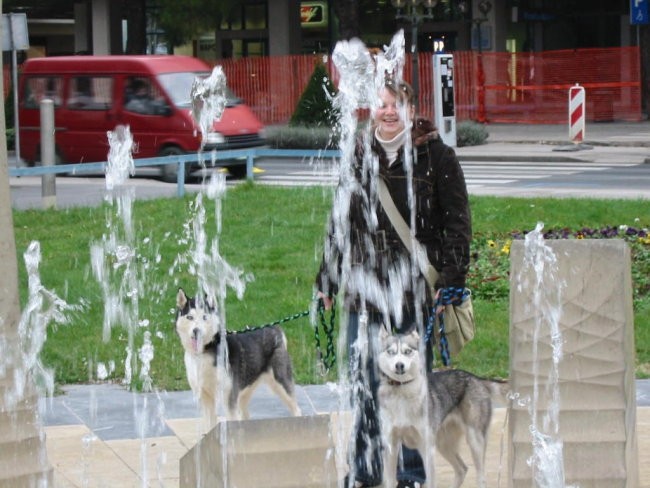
{"x":179,"y":87}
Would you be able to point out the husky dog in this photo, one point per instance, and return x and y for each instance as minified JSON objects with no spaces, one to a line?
{"x":424,"y":411}
{"x":254,"y":356}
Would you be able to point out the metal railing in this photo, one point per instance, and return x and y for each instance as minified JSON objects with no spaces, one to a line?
{"x":181,"y":160}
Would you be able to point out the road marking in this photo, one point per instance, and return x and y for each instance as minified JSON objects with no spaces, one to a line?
{"x":477,"y":173}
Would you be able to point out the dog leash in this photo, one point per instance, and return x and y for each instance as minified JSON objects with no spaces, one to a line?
{"x":447,"y":296}
{"x":278,"y":322}
{"x":329,"y":358}
{"x":330,"y":355}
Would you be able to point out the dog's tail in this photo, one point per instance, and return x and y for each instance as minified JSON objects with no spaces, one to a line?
{"x":499,"y":390}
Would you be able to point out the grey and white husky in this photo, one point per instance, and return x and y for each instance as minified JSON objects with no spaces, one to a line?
{"x":428,"y":410}
{"x":254,"y":356}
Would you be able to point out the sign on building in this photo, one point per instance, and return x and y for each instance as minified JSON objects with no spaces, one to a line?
{"x":313,"y":14}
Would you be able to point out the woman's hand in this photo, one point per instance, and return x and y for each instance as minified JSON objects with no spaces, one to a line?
{"x":327,"y":301}
{"x":440,"y":308}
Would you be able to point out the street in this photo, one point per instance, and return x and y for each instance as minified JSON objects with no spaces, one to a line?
{"x":618,"y":179}
{"x":550,"y":178}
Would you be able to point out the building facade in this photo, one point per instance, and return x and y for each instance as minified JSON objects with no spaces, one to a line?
{"x":281,"y":27}
{"x":272,"y":27}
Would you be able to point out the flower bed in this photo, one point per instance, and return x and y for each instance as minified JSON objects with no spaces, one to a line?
{"x":489,"y":275}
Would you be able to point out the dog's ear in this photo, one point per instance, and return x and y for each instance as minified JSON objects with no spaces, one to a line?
{"x":210,"y":304}
{"x":414,"y":332}
{"x":181,"y":299}
{"x":383,"y":332}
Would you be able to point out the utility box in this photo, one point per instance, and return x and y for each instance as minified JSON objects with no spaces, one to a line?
{"x":443,"y":97}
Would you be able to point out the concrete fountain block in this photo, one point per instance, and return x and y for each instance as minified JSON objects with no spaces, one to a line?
{"x":23,"y":462}
{"x":597,"y":407}
{"x":287,"y":452}
{"x":23,"y":455}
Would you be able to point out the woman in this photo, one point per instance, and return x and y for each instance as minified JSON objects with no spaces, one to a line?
{"x":363,"y":251}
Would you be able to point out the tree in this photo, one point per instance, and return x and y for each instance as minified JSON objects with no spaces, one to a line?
{"x":187,"y":20}
{"x":315,"y":108}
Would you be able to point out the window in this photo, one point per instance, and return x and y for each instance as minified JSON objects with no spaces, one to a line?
{"x":141,"y":96}
{"x":255,"y":16}
{"x":90,"y":93}
{"x":251,"y":16}
{"x":41,"y":87}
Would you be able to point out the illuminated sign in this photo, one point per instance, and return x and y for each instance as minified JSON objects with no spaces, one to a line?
{"x":313,"y":14}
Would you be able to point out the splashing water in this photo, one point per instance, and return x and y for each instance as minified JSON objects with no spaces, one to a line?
{"x":547,"y":458}
{"x":43,"y":308}
{"x":120,"y":158}
{"x":146,"y":356}
{"x":362,"y":76}
{"x":113,"y":260}
{"x":209,"y":98}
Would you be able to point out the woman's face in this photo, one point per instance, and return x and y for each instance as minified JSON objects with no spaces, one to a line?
{"x":389,"y":116}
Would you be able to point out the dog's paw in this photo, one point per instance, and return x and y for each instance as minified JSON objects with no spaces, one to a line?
{"x":408,"y":484}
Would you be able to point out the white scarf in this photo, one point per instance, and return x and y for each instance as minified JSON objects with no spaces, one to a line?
{"x":392,"y":146}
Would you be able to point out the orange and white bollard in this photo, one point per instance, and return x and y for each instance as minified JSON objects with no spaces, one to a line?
{"x":576,"y":114}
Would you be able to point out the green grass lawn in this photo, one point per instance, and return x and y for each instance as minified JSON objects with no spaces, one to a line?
{"x":275,"y":236}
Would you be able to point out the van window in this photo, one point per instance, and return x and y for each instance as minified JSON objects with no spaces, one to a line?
{"x":90,"y":93}
{"x":179,"y":86}
{"x":39,"y":87}
{"x":141,"y":96}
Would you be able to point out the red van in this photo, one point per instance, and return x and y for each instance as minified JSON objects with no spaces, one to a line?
{"x":150,"y":94}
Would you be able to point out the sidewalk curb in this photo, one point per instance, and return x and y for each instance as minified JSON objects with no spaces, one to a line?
{"x":518,"y":158}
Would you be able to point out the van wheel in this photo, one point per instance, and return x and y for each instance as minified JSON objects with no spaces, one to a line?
{"x":168,"y":172}
{"x":237,"y":171}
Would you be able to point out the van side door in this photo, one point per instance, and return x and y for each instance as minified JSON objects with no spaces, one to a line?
{"x":87,"y":117}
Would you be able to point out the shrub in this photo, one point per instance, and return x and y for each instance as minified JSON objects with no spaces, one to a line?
{"x":11,"y":139}
{"x":470,"y":133}
{"x":315,"y":108}
{"x":287,"y":137}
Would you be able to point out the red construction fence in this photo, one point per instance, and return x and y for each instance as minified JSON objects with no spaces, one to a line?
{"x":529,"y":88}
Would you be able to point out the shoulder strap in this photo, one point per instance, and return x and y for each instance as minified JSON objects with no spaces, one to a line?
{"x":404,"y":232}
{"x":395,"y":217}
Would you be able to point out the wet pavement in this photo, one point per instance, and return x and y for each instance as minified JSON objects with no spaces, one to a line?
{"x":104,"y":436}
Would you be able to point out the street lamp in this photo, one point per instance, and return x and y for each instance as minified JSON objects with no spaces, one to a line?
{"x":414,"y":11}
{"x":484,"y":7}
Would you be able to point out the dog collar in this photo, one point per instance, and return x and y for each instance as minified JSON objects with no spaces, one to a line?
{"x":393,"y":382}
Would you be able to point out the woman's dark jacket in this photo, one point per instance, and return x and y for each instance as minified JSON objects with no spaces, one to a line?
{"x":443,"y":220}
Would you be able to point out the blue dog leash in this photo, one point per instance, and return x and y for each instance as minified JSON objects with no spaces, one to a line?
{"x":447,"y":296}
